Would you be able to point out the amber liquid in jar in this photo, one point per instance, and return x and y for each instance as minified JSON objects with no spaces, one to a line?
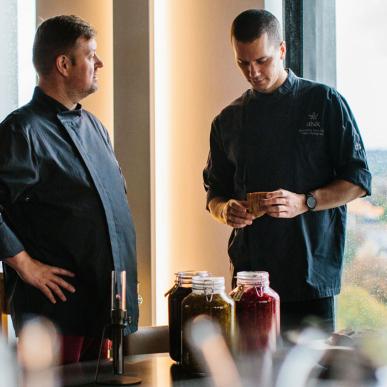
{"x":181,"y":289}
{"x":257,"y":312}
{"x":208,"y":298}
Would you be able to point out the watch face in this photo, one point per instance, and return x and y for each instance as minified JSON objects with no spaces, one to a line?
{"x":311,"y":202}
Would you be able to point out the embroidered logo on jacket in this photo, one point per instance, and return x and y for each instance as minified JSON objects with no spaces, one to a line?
{"x":357,"y":143}
{"x":312,"y":126}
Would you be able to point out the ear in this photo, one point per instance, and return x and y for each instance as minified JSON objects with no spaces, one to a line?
{"x":282,"y":50}
{"x":63,"y":64}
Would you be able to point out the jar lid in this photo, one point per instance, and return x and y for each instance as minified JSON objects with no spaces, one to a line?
{"x":185,"y":277}
{"x":253,"y":278}
{"x":208,"y":283}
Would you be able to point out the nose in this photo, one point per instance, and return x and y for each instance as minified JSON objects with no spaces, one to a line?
{"x":98,"y":62}
{"x":254,"y":70}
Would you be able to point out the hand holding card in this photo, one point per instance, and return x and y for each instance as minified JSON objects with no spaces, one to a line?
{"x":254,"y":200}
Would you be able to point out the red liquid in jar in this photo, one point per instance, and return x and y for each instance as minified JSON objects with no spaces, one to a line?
{"x":258,"y":316}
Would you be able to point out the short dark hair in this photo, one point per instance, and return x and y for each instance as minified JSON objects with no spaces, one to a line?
{"x":253,"y":23}
{"x":56,"y":36}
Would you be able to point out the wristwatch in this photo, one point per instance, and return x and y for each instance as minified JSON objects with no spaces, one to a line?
{"x":310,"y":201}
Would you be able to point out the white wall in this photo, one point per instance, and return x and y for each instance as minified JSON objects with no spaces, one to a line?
{"x":132,"y":128}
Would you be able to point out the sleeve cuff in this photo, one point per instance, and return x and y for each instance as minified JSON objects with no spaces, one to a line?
{"x":10,"y":245}
{"x":361,"y":177}
{"x":210,"y":196}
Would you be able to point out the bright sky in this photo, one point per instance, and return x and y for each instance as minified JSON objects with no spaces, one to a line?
{"x":361,"y":63}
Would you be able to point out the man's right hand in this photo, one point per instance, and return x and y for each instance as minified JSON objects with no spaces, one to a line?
{"x":43,"y":277}
{"x":236,"y":215}
{"x":232,"y":212}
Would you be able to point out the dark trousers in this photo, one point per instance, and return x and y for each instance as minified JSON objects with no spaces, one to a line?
{"x":298,"y":315}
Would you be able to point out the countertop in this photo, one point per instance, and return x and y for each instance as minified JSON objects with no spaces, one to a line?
{"x":155,"y":370}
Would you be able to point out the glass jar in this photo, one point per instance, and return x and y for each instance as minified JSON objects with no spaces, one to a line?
{"x":181,"y":289}
{"x":208,"y":297}
{"x":257,"y":309}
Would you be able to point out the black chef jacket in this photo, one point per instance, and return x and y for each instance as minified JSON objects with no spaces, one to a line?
{"x":63,"y":200}
{"x":299,"y":138}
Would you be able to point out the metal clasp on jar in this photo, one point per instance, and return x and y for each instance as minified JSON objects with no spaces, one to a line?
{"x":260,"y":290}
{"x":208,"y":290}
{"x":238,"y":293}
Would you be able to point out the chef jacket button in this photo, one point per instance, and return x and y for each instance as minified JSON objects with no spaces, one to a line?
{"x":27,"y":199}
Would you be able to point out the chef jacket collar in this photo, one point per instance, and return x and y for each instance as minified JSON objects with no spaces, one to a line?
{"x":283,"y":89}
{"x":54,"y":105}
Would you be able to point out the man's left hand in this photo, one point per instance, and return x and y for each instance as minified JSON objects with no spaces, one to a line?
{"x":284,"y":204}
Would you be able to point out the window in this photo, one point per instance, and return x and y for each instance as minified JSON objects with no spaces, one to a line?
{"x":341,"y":43}
{"x":8,"y":66}
{"x":360,"y":63}
{"x":17,"y":76}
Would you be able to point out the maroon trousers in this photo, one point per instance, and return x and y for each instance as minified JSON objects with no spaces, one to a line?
{"x":80,"y":348}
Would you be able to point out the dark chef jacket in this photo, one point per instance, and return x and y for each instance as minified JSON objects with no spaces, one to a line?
{"x":63,"y":200}
{"x":299,"y":138}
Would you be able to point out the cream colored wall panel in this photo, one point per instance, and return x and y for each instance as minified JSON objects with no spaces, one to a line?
{"x":99,"y":13}
{"x":197,"y":79}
